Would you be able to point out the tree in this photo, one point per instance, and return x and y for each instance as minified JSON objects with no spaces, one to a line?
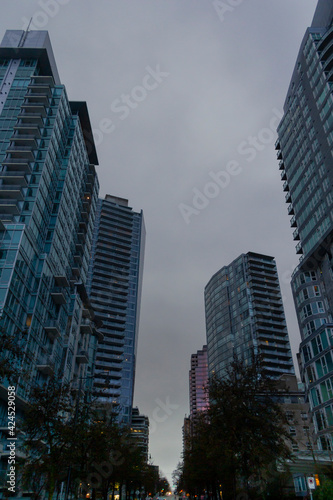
{"x":11,"y":348}
{"x":67,"y":441}
{"x":248,"y":426}
{"x":177,"y":476}
{"x":235,"y":446}
{"x":47,"y":436}
{"x":325,"y":491}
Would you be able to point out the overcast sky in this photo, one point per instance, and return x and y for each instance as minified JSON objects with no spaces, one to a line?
{"x":184,"y":98}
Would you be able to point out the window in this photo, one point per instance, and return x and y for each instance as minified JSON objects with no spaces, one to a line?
{"x":292,"y":431}
{"x":324,"y":443}
{"x":307,"y":311}
{"x":319,"y":343}
{"x":290,"y":416}
{"x":306,"y":353}
{"x":311,"y":374}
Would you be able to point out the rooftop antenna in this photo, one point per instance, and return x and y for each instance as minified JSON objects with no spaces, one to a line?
{"x":24,"y":34}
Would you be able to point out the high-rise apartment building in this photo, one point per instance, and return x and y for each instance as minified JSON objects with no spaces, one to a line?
{"x":115,"y":283}
{"x":48,"y":199}
{"x":305,"y":150}
{"x":198,"y":378}
{"x":245,"y":316}
{"x":140,"y":432}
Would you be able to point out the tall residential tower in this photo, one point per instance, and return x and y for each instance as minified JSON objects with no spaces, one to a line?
{"x":48,"y":199}
{"x":305,"y":150}
{"x":115,"y":283}
{"x":245,"y":316}
{"x":198,"y":378}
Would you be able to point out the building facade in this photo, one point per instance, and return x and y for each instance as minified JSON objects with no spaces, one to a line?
{"x":245,"y":316}
{"x":48,"y":200}
{"x":140,"y":432}
{"x":198,"y":378}
{"x":115,"y":283}
{"x":305,"y":150}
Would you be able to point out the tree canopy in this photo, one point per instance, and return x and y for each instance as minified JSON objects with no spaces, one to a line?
{"x":238,"y":443}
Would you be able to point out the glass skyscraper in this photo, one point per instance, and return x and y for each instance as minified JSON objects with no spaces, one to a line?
{"x":115,"y":283}
{"x":245,"y":316}
{"x":48,"y":200}
{"x":305,"y":150}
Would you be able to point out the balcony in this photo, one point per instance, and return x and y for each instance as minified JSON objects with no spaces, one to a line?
{"x":98,"y":334}
{"x":9,"y":206}
{"x":296,"y":234}
{"x":37,"y":98}
{"x":17,"y":165}
{"x":11,"y":192}
{"x":288,"y":197}
{"x":86,"y":313}
{"x":291,"y":210}
{"x":46,"y":365}
{"x":277,"y":144}
{"x":82,"y":357}
{"x":285,"y":186}
{"x":36,"y":109}
{"x":52,"y":329}
{"x":61,"y":281}
{"x":279,"y":155}
{"x":83,"y":227}
{"x":283,"y":175}
{"x":299,"y":248}
{"x":27,"y":140}
{"x":58,"y":296}
{"x":90,"y":177}
{"x":85,"y":215}
{"x":43,"y":79}
{"x":86,"y":327}
{"x":20,"y":152}
{"x":79,"y":248}
{"x":81,"y":238}
{"x":78,"y":259}
{"x":31,"y":118}
{"x":40,"y":88}
{"x":293,"y":222}
{"x":76,"y":271}
{"x":28,"y":129}
{"x":13,"y":178}
{"x":281,"y":165}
